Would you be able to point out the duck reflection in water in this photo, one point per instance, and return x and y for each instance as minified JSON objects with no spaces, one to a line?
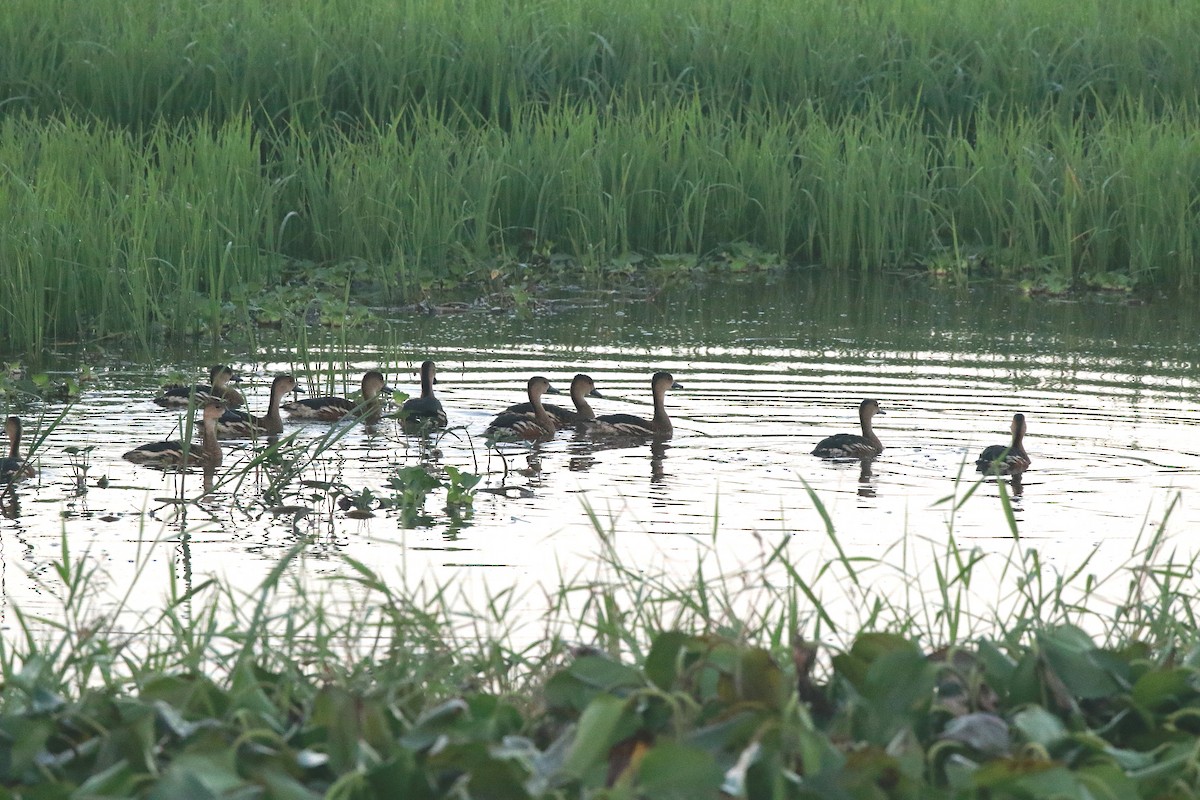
{"x":866,"y":485}
{"x":10,"y":502}
{"x":533,"y":468}
{"x":658,"y":455}
{"x":583,"y":448}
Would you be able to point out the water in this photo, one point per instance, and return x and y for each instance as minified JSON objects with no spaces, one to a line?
{"x":768,"y":368}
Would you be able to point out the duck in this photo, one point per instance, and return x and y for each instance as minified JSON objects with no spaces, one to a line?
{"x":219,"y":376}
{"x":331,"y":409}
{"x":630,"y":425}
{"x":1008,"y":459}
{"x":426,"y":409}
{"x":171,"y":453}
{"x":521,"y":426}
{"x":241,"y":424}
{"x":13,"y":468}
{"x":849,"y":445}
{"x":582,"y":387}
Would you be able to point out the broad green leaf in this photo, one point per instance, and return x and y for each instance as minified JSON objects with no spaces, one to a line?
{"x":44,"y":701}
{"x":1024,"y":685}
{"x":899,"y":686}
{"x":604,"y":673}
{"x":335,"y":712}
{"x":281,"y":786}
{"x":662,"y":662}
{"x":1086,"y":671}
{"x":173,"y":720}
{"x":434,"y":723}
{"x":671,"y":770}
{"x":199,"y":775}
{"x":759,"y":679}
{"x":1107,"y":782}
{"x":576,"y":686}
{"x":998,"y":666}
{"x":1038,"y":725}
{"x":1164,"y":690}
{"x":23,"y":738}
{"x":400,"y":777}
{"x":871,"y":646}
{"x":119,"y":780}
{"x":604,"y":722}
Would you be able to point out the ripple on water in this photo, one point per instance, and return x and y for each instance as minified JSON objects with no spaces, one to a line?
{"x":1111,"y":434}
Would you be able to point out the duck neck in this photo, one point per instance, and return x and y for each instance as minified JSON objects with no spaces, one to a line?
{"x":272,"y":416}
{"x":210,"y":450}
{"x":1017,"y":448}
{"x":427,"y":385}
{"x":662,"y":423}
{"x":581,"y":404}
{"x":539,"y":411}
{"x":868,"y":432}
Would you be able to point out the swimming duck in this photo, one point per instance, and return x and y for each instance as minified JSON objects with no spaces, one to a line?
{"x":539,"y":426}
{"x":13,"y":468}
{"x":849,"y":445}
{"x":426,"y":409}
{"x":1012,"y":459}
{"x":242,"y":424}
{"x":171,"y":453}
{"x":219,"y":376}
{"x":331,"y":409}
{"x":629,"y":425}
{"x":582,"y":387}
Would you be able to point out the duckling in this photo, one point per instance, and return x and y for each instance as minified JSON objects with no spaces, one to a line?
{"x":999,"y":459}
{"x":539,"y":426}
{"x":219,"y":376}
{"x":629,"y":425}
{"x":426,"y":409}
{"x":331,"y":409}
{"x":240,"y":424}
{"x":13,"y":468}
{"x":171,"y":454}
{"x":582,"y":387}
{"x":849,"y":445}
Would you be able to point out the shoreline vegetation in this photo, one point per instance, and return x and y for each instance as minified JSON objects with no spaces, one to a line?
{"x":634,"y":683}
{"x":162,"y":171}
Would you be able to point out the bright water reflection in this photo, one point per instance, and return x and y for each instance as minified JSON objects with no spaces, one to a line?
{"x":1109,"y":390}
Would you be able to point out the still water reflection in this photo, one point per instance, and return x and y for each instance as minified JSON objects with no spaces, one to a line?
{"x":1109,"y":389}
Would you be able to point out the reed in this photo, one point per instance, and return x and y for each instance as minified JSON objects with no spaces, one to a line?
{"x":160,"y":174}
{"x":101,"y":241}
{"x":340,"y":62}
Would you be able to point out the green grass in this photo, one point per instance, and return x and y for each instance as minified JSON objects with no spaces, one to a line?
{"x":857,"y":677}
{"x":163,"y":171}
{"x":97,"y":242}
{"x":340,"y":62}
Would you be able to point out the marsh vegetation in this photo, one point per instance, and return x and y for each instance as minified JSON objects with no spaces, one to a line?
{"x":286,"y":175}
{"x":634,"y":684}
{"x":163,"y":173}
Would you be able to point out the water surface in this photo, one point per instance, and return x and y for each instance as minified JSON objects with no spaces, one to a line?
{"x":768,"y":368}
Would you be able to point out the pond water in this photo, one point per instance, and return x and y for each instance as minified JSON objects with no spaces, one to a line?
{"x":768,"y":367}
